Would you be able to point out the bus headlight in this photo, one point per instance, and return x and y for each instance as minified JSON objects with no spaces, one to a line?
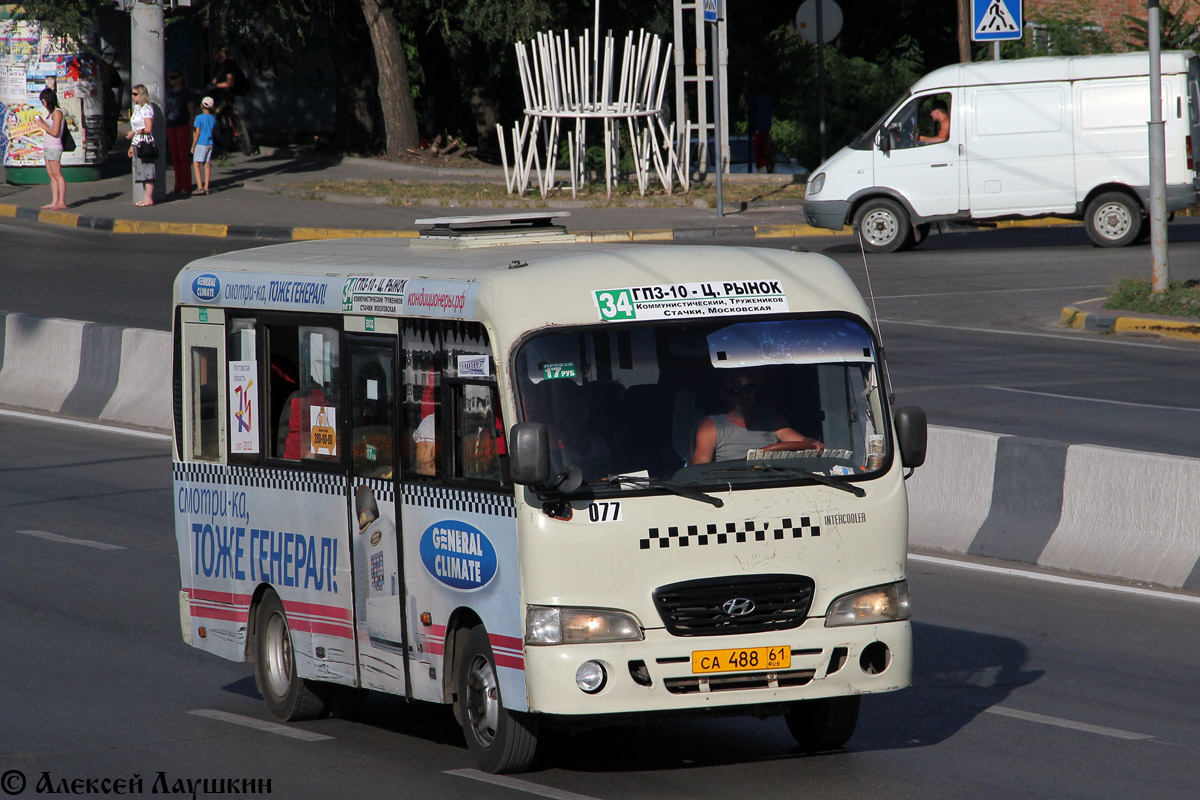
{"x":556,"y":625}
{"x":815,"y":185}
{"x":881,"y":604}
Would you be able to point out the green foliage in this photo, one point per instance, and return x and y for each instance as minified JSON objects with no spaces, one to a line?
{"x":1181,"y":298}
{"x":1057,"y":32}
{"x":63,"y":18}
{"x":1177,"y":32}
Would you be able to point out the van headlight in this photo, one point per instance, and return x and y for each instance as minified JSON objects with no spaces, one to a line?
{"x":815,"y":185}
{"x":881,"y":604}
{"x":556,"y":625}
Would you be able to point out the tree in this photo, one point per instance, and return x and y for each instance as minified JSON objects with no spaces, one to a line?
{"x":395,"y":93}
{"x":1179,"y":29}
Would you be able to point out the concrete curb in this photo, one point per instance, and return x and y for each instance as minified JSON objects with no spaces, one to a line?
{"x":1096,"y":510}
{"x":1090,"y":315}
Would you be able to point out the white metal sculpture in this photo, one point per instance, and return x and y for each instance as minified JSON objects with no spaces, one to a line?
{"x":564,"y":83}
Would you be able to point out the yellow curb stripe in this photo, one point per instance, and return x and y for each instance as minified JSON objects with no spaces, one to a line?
{"x":178,"y":228}
{"x":600,"y":237}
{"x":59,"y":218}
{"x":652,"y":236}
{"x":1162,"y":327}
{"x":8,"y":211}
{"x":1073,"y":318}
{"x":305,"y":234}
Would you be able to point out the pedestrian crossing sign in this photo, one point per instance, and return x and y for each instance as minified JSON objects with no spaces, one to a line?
{"x":710,"y":10}
{"x":996,"y":20}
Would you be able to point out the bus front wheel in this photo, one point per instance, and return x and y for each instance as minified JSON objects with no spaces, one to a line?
{"x":499,"y":740}
{"x":288,"y":697}
{"x":824,"y":724}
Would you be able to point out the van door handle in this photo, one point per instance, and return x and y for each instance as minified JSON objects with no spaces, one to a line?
{"x":935,"y":166}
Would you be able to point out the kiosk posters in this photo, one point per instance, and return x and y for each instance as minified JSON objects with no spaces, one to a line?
{"x":30,"y":61}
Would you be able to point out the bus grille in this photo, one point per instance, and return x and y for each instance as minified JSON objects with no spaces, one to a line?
{"x":703,"y":607}
{"x":724,"y":683}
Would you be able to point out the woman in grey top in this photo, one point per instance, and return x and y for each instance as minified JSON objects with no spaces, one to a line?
{"x":725,"y":437}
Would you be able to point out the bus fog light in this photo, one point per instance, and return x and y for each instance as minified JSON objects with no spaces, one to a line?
{"x":591,"y":677}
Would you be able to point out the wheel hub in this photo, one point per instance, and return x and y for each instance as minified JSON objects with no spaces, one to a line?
{"x":1113,"y":220}
{"x":483,"y":700}
{"x":879,"y":227}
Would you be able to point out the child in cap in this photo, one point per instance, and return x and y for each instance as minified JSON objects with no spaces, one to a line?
{"x":202,"y":144}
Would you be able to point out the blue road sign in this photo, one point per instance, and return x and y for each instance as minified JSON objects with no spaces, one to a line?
{"x":996,"y":20}
{"x":710,"y":10}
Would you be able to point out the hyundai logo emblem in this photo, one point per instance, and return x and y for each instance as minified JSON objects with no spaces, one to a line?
{"x":738,"y":606}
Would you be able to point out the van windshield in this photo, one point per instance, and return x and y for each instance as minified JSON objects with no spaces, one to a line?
{"x":708,"y":404}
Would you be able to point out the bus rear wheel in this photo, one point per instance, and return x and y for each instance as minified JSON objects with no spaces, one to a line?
{"x":824,"y":724}
{"x":499,"y":740}
{"x":288,"y":697}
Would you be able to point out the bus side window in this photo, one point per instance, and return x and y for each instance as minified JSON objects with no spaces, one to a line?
{"x":422,"y":380}
{"x":205,"y":413}
{"x":245,"y":410}
{"x":304,"y":363}
{"x":478,"y":433}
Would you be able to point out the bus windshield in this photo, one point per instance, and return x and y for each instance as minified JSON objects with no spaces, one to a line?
{"x":708,"y":403}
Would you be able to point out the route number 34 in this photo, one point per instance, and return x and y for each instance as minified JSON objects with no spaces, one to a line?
{"x":615,"y":304}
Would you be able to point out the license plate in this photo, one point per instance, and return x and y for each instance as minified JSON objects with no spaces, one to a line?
{"x":746,"y":659}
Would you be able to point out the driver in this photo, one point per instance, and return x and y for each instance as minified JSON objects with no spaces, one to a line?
{"x":728,"y":436}
{"x":940,"y":114}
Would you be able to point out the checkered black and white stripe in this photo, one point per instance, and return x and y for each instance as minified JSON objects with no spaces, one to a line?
{"x":262,"y":478}
{"x":730,"y":533}
{"x":495,"y":505}
{"x":383,"y":490}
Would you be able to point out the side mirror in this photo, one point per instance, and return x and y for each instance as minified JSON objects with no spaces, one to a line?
{"x":529,"y":453}
{"x":913,"y":433}
{"x":885,"y":140}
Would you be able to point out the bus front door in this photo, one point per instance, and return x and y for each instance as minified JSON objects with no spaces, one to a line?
{"x":378,"y":572}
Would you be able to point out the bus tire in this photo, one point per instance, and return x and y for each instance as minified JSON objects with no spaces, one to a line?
{"x":883,"y":226}
{"x":288,"y":697}
{"x":1113,"y":219}
{"x":499,"y":740}
{"x":824,"y":724}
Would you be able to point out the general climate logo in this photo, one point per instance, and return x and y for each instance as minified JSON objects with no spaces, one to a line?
{"x":458,"y":555}
{"x":206,"y":286}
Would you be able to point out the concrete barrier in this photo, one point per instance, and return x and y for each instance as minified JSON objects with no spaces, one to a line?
{"x":1096,"y":510}
{"x":84,"y":369}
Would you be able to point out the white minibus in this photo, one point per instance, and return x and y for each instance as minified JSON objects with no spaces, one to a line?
{"x":542,"y":484}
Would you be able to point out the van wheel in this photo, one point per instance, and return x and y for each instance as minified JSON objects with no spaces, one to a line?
{"x":883,"y":226}
{"x":288,"y":697}
{"x":1113,"y":219}
{"x":499,"y":740}
{"x":824,"y":724}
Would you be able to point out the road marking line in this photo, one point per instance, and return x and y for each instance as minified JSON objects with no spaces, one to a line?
{"x":76,"y":423}
{"x":1060,"y":579}
{"x":58,"y":537}
{"x":1092,"y":399}
{"x":1070,"y":338}
{"x":258,"y":724}
{"x":519,"y":785}
{"x":1029,"y":716}
{"x":976,"y":292}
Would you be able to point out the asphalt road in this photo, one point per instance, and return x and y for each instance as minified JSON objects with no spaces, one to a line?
{"x":969,"y":320}
{"x":1022,"y":688}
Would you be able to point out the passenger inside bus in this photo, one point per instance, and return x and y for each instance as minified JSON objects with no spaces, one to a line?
{"x":745,"y":425}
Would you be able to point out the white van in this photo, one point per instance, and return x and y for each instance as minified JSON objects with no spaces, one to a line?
{"x":1036,"y":137}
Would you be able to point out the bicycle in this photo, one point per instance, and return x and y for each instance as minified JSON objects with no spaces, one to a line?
{"x":231,"y":133}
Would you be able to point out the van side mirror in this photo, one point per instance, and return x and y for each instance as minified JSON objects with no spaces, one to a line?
{"x":913,"y":434}
{"x":529,"y":453}
{"x":885,"y":140}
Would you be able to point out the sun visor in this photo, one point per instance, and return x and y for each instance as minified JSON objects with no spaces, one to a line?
{"x":819,"y":341}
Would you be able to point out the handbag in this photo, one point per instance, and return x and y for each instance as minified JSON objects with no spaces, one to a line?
{"x":146,"y":150}
{"x":68,"y":141}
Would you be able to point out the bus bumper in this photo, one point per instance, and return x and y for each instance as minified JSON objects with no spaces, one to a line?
{"x":655,"y":675}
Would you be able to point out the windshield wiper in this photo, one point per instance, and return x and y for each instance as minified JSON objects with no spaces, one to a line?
{"x":655,"y":483}
{"x":836,"y":483}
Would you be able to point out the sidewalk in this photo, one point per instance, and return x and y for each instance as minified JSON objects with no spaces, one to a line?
{"x":249,"y":200}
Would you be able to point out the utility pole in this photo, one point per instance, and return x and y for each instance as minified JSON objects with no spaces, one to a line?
{"x":147,"y":50}
{"x":1160,"y":278}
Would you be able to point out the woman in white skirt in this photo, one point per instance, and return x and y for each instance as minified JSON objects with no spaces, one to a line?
{"x":141,"y":124}
{"x":52,"y":128}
